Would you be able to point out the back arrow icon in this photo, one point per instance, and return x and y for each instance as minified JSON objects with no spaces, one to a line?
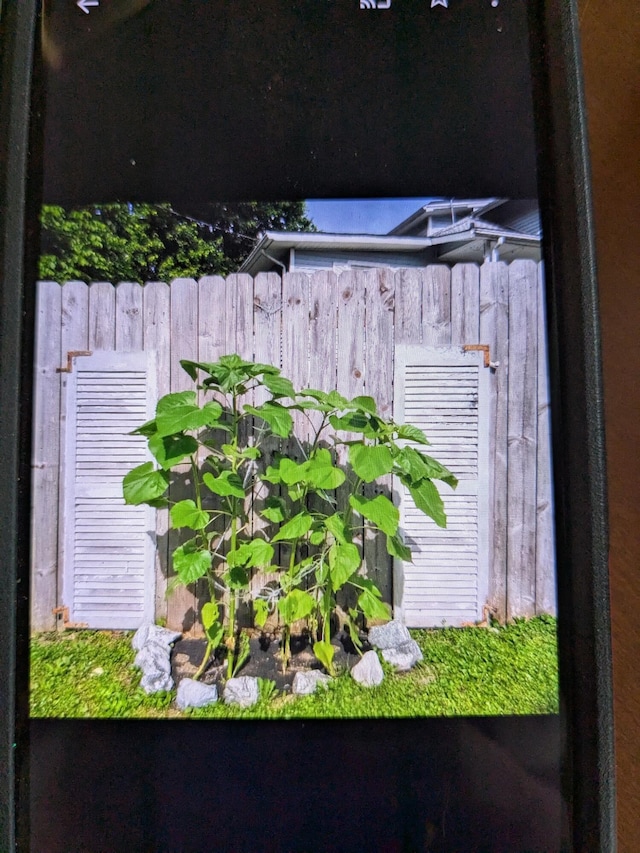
{"x":86,"y":4}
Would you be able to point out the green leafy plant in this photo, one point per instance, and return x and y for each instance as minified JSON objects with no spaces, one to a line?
{"x":220,"y":440}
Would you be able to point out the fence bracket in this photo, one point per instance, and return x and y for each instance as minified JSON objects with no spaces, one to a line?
{"x":70,"y":356}
{"x":62,"y":619}
{"x":484,"y":348}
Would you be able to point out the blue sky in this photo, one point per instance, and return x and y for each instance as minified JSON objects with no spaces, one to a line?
{"x":363,"y":215}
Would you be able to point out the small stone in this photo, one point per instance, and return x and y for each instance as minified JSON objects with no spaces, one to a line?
{"x":368,"y":671}
{"x":403,"y":657}
{"x":242,"y":691}
{"x":389,"y":636}
{"x":154,"y":661}
{"x":305,"y":683}
{"x":150,"y":633}
{"x":194,"y":694}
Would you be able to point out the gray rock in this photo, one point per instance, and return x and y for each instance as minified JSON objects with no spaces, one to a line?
{"x":242,"y":691}
{"x":389,"y":636}
{"x":150,"y":633}
{"x":193,"y":694}
{"x":403,"y":657}
{"x":154,"y":661}
{"x":368,"y":671}
{"x":305,"y":683}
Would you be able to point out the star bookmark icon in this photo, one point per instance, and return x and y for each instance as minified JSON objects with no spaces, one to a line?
{"x":444,"y":3}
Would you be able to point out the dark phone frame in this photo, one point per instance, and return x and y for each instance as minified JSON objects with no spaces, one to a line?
{"x":578,"y":432}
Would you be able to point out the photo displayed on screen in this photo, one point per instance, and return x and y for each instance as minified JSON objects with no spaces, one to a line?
{"x":291,"y":447}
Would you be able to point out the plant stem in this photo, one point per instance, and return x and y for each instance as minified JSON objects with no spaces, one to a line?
{"x":205,"y":661}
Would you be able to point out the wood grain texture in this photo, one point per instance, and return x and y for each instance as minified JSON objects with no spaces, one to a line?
{"x":494,"y":331}
{"x":156,"y":318}
{"x":181,"y":606}
{"x":102,"y":316}
{"x":610,"y":35}
{"x":378,"y":383}
{"x":522,"y":427}
{"x":45,"y":458}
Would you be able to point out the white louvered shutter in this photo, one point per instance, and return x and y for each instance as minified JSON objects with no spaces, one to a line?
{"x":444,"y":393}
{"x":108,"y":547}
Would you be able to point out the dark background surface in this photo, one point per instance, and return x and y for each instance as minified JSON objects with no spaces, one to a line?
{"x":610,"y":36}
{"x":305,"y":99}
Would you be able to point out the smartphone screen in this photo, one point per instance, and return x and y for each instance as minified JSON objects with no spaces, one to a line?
{"x":293,"y":566}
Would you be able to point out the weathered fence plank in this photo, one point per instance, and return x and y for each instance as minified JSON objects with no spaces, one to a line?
{"x":129,"y":331}
{"x":545,"y":543}
{"x":181,"y":607}
{"x":465,"y":304}
{"x":74,"y":338}
{"x":102,"y":316}
{"x":408,"y":304}
{"x":494,"y":331}
{"x":46,"y":457}
{"x":156,"y":320}
{"x":522,"y":432}
{"x":378,"y":383}
{"x":436,"y":306}
{"x":267,"y":321}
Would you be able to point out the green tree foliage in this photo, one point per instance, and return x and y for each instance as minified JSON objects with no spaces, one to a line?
{"x":153,"y":242}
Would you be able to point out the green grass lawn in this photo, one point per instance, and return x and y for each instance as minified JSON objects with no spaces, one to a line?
{"x":466,"y":671}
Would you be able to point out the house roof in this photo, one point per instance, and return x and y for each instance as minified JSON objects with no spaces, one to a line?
{"x":474,"y":206}
{"x":469,"y":234}
{"x":276,"y":245}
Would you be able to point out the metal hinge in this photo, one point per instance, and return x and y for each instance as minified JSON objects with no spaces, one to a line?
{"x":487,"y":356}
{"x":70,"y":356}
{"x":62,"y":619}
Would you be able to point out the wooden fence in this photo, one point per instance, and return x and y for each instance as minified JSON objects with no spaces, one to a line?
{"x":324,"y":330}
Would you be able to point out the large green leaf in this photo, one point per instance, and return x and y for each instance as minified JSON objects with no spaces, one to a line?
{"x":364,"y":404}
{"x":144,"y":484}
{"x":169,"y":450}
{"x":397,"y":548}
{"x":372,"y":606}
{"x":209,"y":614}
{"x":227,"y":484}
{"x":274,"y":509}
{"x":440,"y":472}
{"x":292,"y":472}
{"x":296,"y":605}
{"x":324,"y":651}
{"x":277,"y":416}
{"x":237,"y":578}
{"x":344,"y":561}
{"x":191,"y":562}
{"x":192,"y":367}
{"x":378,"y":510}
{"x":351,"y":422}
{"x":320,"y":471}
{"x":179,"y":412}
{"x":295,"y":527}
{"x":336,"y":526}
{"x":370,"y":461}
{"x":186,"y":514}
{"x":260,"y":612}
{"x":279,"y":386}
{"x":147,"y":429}
{"x":427,"y":498}
{"x":417,"y":466}
{"x":257,"y":552}
{"x":412,"y":433}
